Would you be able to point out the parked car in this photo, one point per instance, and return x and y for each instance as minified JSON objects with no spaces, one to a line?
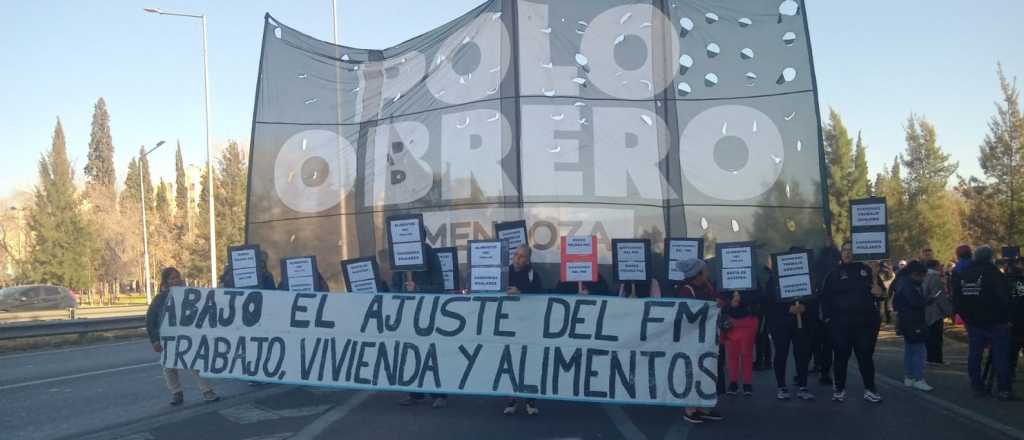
{"x":36,"y":297}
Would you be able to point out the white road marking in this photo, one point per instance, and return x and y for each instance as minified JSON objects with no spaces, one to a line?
{"x":75,"y":376}
{"x":313,"y":430}
{"x":623,"y":423}
{"x":245,"y":414}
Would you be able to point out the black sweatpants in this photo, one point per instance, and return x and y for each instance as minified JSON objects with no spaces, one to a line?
{"x":1016,"y":346}
{"x":763,"y":344}
{"x":784,"y":335}
{"x":859,"y":339}
{"x":934,"y":342}
{"x":821,"y":347}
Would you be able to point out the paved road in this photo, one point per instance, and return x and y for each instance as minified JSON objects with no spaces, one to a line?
{"x":115,"y":391}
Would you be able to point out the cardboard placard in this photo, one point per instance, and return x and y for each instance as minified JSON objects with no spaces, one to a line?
{"x":245,"y":264}
{"x":679,"y":249}
{"x":869,"y":228}
{"x":631,"y":259}
{"x":406,"y":242}
{"x":513,"y":232}
{"x":579,"y":258}
{"x":488,"y":265}
{"x":300,"y":273}
{"x":449,"y":257}
{"x":793,"y":275}
{"x":361,"y":275}
{"x":736,"y":262}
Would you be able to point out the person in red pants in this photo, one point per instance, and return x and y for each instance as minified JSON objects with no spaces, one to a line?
{"x":738,"y":335}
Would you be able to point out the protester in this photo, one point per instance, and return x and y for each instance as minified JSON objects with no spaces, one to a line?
{"x":227,"y":278}
{"x":522,"y":279}
{"x":981,"y":298}
{"x":821,"y":341}
{"x":849,"y":309}
{"x":762,"y":340}
{"x":787,"y":330}
{"x":170,"y":277}
{"x":1016,"y":317}
{"x":883,"y":288}
{"x":910,"y":302}
{"x":430,"y":280}
{"x":738,"y":336}
{"x":319,"y":283}
{"x":698,"y":286}
{"x":927,"y":254}
{"x":640,"y":289}
{"x":936,"y":311}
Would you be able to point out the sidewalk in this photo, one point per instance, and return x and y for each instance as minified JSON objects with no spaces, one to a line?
{"x":950,"y":381}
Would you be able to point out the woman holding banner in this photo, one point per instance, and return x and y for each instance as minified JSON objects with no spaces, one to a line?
{"x":698,"y":286}
{"x":170,"y":277}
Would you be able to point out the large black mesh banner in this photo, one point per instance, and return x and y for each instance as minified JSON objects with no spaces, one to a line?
{"x":622,"y":119}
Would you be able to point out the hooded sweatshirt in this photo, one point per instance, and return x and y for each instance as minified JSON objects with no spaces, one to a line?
{"x":981,"y":296}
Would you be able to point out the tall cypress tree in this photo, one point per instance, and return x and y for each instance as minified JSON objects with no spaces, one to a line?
{"x":181,"y":208}
{"x":230,"y":181}
{"x":839,"y":157}
{"x":859,"y":185}
{"x":61,"y":241}
{"x":928,"y":170}
{"x":99,"y":170}
{"x":1001,"y":156}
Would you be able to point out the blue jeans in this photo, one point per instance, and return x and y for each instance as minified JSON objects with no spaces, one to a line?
{"x":980,"y":337}
{"x":913,"y":360}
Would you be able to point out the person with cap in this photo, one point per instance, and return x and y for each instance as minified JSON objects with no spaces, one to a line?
{"x":910,"y":302}
{"x":522,"y":279}
{"x":171,"y":277}
{"x":696,"y":285}
{"x":849,"y":309}
{"x":981,"y":297}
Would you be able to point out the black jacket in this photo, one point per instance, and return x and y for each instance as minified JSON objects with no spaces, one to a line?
{"x":981,"y":295}
{"x":154,"y":316}
{"x":526,"y":280}
{"x":846,"y":295}
{"x":776,"y":311}
{"x":909,"y":301}
{"x":600,"y":287}
{"x":427,"y":281}
{"x":227,"y":281}
{"x":1017,"y":305}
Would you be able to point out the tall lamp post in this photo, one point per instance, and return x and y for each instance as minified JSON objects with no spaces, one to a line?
{"x":145,"y":231}
{"x":209,"y":154}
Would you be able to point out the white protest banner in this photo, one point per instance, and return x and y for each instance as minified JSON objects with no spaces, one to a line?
{"x":300,"y":273}
{"x":514,"y":233}
{"x":602,"y":350}
{"x":869,"y":228}
{"x":361,"y":275}
{"x":245,"y":263}
{"x":679,"y":249}
{"x":736,"y":261}
{"x":406,"y":242}
{"x":631,"y":259}
{"x":793,"y":273}
{"x":488,"y":265}
{"x":449,"y":257}
{"x":579,"y":258}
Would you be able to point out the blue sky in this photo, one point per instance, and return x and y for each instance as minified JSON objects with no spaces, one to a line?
{"x":876,"y":62}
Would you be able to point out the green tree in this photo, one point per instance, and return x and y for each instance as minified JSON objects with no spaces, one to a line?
{"x":130,"y":197}
{"x":1001,"y":155}
{"x":840,"y":159}
{"x":860,"y":184}
{"x":928,"y":170}
{"x":181,"y":208}
{"x":230,"y":181}
{"x":983,"y":217}
{"x":59,"y":253}
{"x":99,"y":170}
{"x":889,"y":184}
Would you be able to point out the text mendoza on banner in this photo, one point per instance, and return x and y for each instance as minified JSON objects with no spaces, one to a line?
{"x":652,"y":351}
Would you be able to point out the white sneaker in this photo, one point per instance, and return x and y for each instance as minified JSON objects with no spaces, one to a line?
{"x":921,"y":385}
{"x":908,"y":382}
{"x":532,"y":410}
{"x":510,"y":409}
{"x":872,"y":396}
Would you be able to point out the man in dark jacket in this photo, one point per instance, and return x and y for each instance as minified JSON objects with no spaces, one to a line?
{"x":430,"y":280}
{"x":981,"y":297}
{"x":521,"y":276}
{"x":851,"y":314}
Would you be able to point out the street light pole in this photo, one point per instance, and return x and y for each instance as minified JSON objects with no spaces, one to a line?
{"x":209,"y":152}
{"x":334,"y":20}
{"x":145,"y":231}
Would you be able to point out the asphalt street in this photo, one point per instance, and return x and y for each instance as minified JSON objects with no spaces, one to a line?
{"x":115,"y":391}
